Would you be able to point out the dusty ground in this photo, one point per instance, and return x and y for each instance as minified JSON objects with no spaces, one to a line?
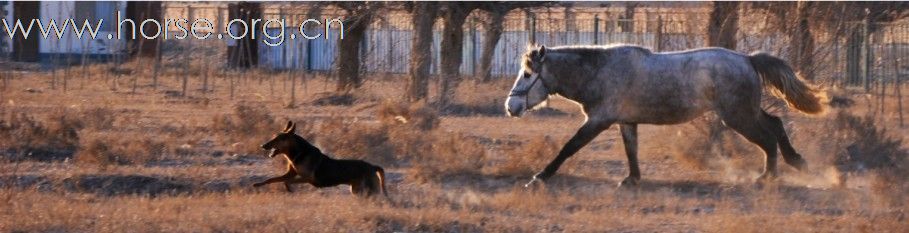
{"x":203,"y":182}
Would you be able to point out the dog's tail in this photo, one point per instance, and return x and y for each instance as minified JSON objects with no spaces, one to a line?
{"x":381,"y":174}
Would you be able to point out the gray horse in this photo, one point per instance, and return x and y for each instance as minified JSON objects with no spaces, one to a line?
{"x":630,"y":85}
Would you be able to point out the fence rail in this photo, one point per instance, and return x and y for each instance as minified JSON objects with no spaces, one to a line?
{"x":861,"y":55}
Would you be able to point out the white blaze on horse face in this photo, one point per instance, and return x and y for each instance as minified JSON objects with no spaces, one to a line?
{"x":527,"y":93}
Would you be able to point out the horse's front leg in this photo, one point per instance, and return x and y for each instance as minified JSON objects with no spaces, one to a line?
{"x":585,"y":134}
{"x":630,"y":139}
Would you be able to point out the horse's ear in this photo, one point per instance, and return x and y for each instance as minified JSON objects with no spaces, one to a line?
{"x":542,"y":53}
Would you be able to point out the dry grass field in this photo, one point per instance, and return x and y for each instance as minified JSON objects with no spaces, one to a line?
{"x":98,"y":159}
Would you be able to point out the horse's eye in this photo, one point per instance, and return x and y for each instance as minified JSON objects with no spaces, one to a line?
{"x":526,"y":75}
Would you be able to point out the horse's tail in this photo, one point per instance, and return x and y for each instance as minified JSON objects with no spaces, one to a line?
{"x":787,"y":85}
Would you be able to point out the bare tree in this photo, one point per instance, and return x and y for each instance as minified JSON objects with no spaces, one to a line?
{"x":424,"y":15}
{"x":244,"y":53}
{"x":723,"y":25}
{"x":359,"y":16}
{"x":836,"y":17}
{"x":802,"y":40}
{"x":627,"y":19}
{"x":454,"y":15}
{"x":494,"y":28}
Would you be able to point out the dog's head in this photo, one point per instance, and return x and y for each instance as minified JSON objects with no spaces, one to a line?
{"x":287,"y":142}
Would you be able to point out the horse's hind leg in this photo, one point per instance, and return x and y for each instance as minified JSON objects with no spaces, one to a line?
{"x":755,"y":129}
{"x":789,"y":155}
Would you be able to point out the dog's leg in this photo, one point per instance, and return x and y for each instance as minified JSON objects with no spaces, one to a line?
{"x":295,"y":180}
{"x":285,"y":177}
{"x":287,"y":186}
{"x":380,"y":173}
{"x":357,"y":187}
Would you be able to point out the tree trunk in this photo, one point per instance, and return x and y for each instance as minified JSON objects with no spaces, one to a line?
{"x":245,"y":52}
{"x":627,"y":23}
{"x":493,"y":34}
{"x":424,"y":15}
{"x":723,"y":25}
{"x":349,"y":51}
{"x":139,"y":12}
{"x":451,"y":50}
{"x":802,"y":49}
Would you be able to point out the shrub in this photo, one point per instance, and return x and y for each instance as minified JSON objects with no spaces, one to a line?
{"x":862,"y":146}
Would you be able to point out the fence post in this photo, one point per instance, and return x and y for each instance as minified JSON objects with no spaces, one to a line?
{"x":389,"y":30}
{"x":866,"y":32}
{"x":659,"y":33}
{"x":473,"y":47}
{"x":309,"y":55}
{"x":533,"y":28}
{"x":596,"y":29}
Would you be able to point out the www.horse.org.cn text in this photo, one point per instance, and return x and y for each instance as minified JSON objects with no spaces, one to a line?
{"x":272,"y":32}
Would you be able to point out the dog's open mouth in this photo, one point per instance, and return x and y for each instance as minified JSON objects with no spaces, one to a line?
{"x":271,"y":153}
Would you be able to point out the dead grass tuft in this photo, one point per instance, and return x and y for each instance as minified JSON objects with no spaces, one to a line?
{"x":706,"y":144}
{"x":417,"y":115}
{"x":479,"y":98}
{"x":245,"y":128}
{"x":450,"y":154}
{"x":25,"y":136}
{"x":523,"y":159}
{"x":98,"y":118}
{"x":349,"y":138}
{"x":103,"y":150}
{"x":335,"y":100}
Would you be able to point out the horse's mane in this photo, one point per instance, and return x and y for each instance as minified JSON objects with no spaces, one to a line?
{"x":582,"y":50}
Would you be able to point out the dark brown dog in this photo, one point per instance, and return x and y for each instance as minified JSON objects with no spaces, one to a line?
{"x":307,"y":164}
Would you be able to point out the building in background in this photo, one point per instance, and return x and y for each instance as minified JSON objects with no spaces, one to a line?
{"x":70,"y":47}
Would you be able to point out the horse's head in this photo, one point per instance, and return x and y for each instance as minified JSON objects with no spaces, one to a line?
{"x":287,"y":142}
{"x":528,"y":91}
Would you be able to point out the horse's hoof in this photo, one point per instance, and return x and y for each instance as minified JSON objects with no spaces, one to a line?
{"x":798,"y":163}
{"x":767,"y":177}
{"x":629,"y":182}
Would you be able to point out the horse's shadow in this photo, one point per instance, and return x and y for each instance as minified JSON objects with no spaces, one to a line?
{"x":700,"y":189}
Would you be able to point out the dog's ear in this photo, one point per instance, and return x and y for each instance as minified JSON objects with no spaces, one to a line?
{"x":287,"y":126}
{"x":292,"y":127}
